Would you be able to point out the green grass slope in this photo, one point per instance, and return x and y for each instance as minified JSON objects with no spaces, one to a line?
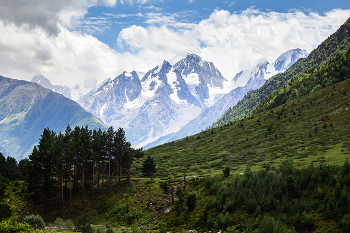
{"x":327,"y":50}
{"x":313,"y":128}
{"x":27,"y":108}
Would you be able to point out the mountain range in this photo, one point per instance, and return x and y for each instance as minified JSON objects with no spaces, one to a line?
{"x":185,"y":95}
{"x":173,"y":100}
{"x":246,"y":81}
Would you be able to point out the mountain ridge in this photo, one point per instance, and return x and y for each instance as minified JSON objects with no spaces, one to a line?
{"x":28,"y":108}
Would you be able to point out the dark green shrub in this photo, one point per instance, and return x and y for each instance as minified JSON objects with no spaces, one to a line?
{"x":149,"y":167}
{"x":14,"y":227}
{"x":223,"y":222}
{"x":5,"y":211}
{"x":181,"y":197}
{"x":162,"y":229}
{"x":165,"y":186}
{"x":83,"y":224}
{"x":191,"y":201}
{"x":226,"y":171}
{"x":36,"y":221}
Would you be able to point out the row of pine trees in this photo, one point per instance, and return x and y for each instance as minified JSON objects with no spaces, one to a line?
{"x":78,"y":162}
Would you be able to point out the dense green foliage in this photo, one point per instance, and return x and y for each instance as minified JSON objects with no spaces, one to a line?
{"x":5,"y":211}
{"x":84,"y":224}
{"x":12,"y":226}
{"x":77,"y":160}
{"x":300,"y":199}
{"x":334,"y":71}
{"x":335,"y":44}
{"x":149,"y":167}
{"x":35,"y":221}
{"x":10,"y":169}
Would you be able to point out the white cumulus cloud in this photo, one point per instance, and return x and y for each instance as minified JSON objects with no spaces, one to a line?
{"x":234,"y":41}
{"x":49,"y":40}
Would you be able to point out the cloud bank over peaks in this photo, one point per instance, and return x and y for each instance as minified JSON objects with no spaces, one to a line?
{"x":46,"y":37}
{"x":235,"y":41}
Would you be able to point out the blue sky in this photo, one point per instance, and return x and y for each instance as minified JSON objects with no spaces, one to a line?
{"x":87,"y":41}
{"x":113,"y":19}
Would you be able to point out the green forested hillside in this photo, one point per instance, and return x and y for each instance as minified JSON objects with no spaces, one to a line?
{"x":27,"y":108}
{"x":335,"y":44}
{"x":313,"y":128}
{"x":334,"y":71}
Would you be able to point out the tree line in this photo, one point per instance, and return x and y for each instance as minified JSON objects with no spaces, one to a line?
{"x":78,"y":161}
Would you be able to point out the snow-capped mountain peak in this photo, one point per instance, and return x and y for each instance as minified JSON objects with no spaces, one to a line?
{"x":287,"y":59}
{"x":266,"y":70}
{"x":44,"y":82}
{"x":178,"y":58}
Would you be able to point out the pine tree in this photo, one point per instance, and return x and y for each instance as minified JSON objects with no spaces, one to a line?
{"x":149,"y":167}
{"x":3,"y":171}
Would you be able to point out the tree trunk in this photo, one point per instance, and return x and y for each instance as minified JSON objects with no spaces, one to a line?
{"x":102,"y":186}
{"x":184,"y":182}
{"x":116,"y":183}
{"x":75,"y":181}
{"x":109,"y":176}
{"x":120,"y":172}
{"x":172,"y":193}
{"x":129,"y":174}
{"x":149,"y":201}
{"x":59,"y":190}
{"x":62,"y":194}
{"x":98,"y":180}
{"x":93,"y":178}
{"x":70,"y":191}
{"x":82,"y":186}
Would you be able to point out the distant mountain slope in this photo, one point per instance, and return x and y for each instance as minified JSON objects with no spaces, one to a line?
{"x":251,"y":80}
{"x":27,"y":108}
{"x":44,"y":82}
{"x":266,"y":70}
{"x":327,"y":50}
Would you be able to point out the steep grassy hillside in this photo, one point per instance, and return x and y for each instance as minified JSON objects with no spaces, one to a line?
{"x":334,"y":71}
{"x":313,"y":128}
{"x":335,"y":44}
{"x":27,"y":108}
